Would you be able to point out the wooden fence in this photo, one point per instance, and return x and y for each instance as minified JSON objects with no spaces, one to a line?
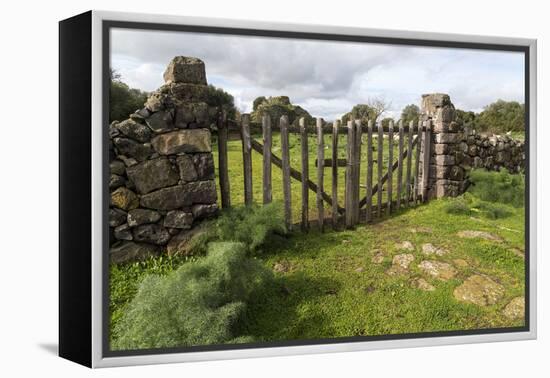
{"x":410,"y":183}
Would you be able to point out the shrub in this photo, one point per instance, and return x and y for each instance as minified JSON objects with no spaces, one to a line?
{"x":492,"y":210}
{"x":202,"y":302}
{"x":250,"y":225}
{"x":217,"y":97}
{"x":500,"y":187}
{"x":123,"y":100}
{"x":458,"y":206}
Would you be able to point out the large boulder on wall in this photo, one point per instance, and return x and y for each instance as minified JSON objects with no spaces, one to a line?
{"x":184,"y":69}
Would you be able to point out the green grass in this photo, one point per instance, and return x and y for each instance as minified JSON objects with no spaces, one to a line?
{"x":520,"y":135}
{"x":324,"y":294}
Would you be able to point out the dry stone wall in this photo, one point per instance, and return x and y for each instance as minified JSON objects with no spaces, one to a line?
{"x":492,"y":152}
{"x":161,"y":167}
{"x":456,"y":149}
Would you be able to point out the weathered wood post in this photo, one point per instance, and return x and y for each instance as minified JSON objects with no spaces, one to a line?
{"x":247,"y":158}
{"x":369,"y":172}
{"x":320,"y":173}
{"x":334,"y":167}
{"x":350,"y":173}
{"x":400,"y":166}
{"x":285,"y":157}
{"x":305,"y":175}
{"x":409,"y":164}
{"x":380,"y":168}
{"x":357,"y":173}
{"x":390,"y":166}
{"x":266,"y":176}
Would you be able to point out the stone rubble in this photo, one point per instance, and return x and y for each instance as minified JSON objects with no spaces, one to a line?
{"x":515,"y":309}
{"x":400,"y":264}
{"x":437,"y":269}
{"x":469,"y":234}
{"x":430,"y":249}
{"x":480,"y":290}
{"x":406,"y":245}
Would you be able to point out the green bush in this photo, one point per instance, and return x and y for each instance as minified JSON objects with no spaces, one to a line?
{"x":492,"y":210}
{"x":500,"y":187}
{"x":217,"y":97}
{"x":123,"y":100}
{"x":200,"y":303}
{"x":458,"y":206}
{"x":250,"y":225}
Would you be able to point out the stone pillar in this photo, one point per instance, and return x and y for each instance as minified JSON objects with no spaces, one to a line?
{"x":162,"y":169}
{"x":446,"y":177}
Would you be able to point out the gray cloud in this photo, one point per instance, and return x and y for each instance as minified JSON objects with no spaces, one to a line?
{"x":326,"y":78}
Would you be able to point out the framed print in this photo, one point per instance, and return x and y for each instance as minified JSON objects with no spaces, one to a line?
{"x":232,"y":189}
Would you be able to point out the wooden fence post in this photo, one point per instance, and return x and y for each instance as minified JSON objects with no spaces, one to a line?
{"x":335,"y":127}
{"x":320,"y":174}
{"x":350,"y":173}
{"x":266,"y":176}
{"x":369,"y":172}
{"x":400,"y":166}
{"x":409,"y":165}
{"x":222,"y":161}
{"x":417,"y":163}
{"x":285,"y":157}
{"x":357,"y":174}
{"x":390,"y":166}
{"x":426,"y":160}
{"x":305,"y":175}
{"x":247,"y":158}
{"x":380,"y":167}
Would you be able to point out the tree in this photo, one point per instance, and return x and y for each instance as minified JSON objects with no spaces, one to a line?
{"x":379,"y":105}
{"x":410,"y":113}
{"x":466,"y":118}
{"x":371,"y":111}
{"x":219,"y":98}
{"x":123,"y":100}
{"x":386,"y":121}
{"x":502,"y":116}
{"x":362,"y":112}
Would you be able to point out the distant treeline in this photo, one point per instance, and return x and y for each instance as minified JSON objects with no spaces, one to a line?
{"x":498,"y":117}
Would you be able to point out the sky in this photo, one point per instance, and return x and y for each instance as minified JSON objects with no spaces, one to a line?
{"x":326,"y":78}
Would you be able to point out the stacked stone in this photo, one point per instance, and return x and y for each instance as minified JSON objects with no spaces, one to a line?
{"x":446,"y":173}
{"x":161,"y":167}
{"x":492,"y":152}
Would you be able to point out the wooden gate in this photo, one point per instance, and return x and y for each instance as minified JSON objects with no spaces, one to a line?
{"x":383,"y":194}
